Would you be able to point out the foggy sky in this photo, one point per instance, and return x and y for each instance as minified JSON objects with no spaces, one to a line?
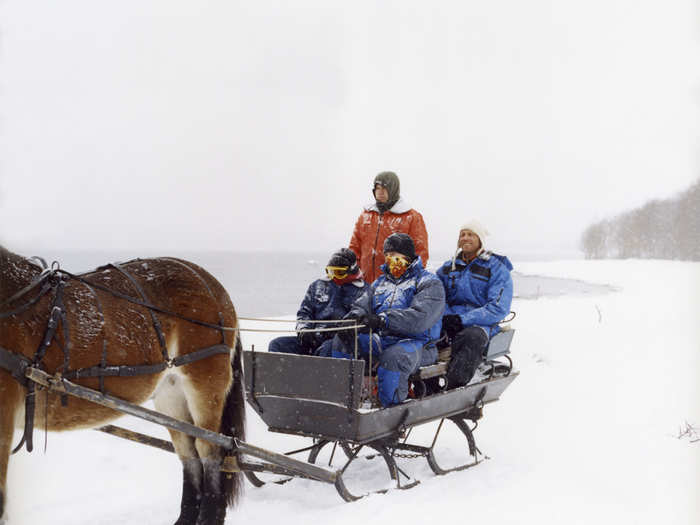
{"x":260,"y":125}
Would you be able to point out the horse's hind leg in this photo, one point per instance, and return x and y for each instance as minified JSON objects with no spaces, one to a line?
{"x":206,"y":403}
{"x":10,"y":397}
{"x":170,"y":399}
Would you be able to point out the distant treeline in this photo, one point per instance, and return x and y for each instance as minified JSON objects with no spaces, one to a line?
{"x":661,"y":229}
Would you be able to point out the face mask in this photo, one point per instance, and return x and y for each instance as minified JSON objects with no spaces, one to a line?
{"x":397,"y":265}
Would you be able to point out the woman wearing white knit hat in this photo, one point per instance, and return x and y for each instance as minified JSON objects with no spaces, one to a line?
{"x":479,"y":291}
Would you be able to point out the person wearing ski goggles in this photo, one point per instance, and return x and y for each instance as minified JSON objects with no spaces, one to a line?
{"x":403,"y":310}
{"x":337,"y":272}
{"x":327,"y":299}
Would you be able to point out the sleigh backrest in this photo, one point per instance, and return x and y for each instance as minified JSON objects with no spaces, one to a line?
{"x":500,"y":344}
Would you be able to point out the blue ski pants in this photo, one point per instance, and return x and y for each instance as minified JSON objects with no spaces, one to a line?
{"x":398,"y":359}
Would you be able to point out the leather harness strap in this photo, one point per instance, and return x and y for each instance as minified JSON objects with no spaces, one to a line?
{"x":57,"y":315}
{"x":139,"y":370}
{"x":44,"y":290}
{"x":204,"y":283}
{"x":103,"y":358}
{"x":15,"y":364}
{"x":156,"y":323}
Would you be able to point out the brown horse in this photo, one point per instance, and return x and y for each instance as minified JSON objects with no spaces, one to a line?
{"x":115,"y":330}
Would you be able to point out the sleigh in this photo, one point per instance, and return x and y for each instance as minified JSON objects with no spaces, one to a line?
{"x":325,"y":399}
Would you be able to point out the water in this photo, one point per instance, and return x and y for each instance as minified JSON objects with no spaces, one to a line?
{"x":263,"y":284}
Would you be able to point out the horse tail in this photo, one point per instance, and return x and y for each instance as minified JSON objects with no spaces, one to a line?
{"x":233,"y":422}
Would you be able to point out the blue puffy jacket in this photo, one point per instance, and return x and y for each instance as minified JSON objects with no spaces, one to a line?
{"x":326,"y":300}
{"x":479,"y":291}
{"x":411,"y":305}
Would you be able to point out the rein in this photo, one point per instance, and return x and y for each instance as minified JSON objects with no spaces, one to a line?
{"x":43,"y":280}
{"x":146,"y":304}
{"x":221,"y":328}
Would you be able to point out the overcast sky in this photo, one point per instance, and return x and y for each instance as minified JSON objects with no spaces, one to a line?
{"x":261,"y":125}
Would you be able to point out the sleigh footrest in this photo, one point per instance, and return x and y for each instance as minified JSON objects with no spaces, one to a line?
{"x":437,"y":369}
{"x":426,"y":372}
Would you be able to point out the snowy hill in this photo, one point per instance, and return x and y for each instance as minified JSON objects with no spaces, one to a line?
{"x":588,"y":433}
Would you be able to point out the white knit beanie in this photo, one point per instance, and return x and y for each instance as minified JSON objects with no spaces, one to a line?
{"x":476,"y":227}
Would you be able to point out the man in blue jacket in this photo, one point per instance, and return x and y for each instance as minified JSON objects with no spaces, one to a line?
{"x":328,"y":298}
{"x":403,"y":308}
{"x":479,"y":291}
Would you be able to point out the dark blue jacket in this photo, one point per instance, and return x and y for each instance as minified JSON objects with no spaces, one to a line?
{"x":411,"y":305}
{"x":480,"y":291}
{"x":326,"y":300}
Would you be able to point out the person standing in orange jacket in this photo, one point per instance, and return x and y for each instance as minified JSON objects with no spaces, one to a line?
{"x":388,"y":214}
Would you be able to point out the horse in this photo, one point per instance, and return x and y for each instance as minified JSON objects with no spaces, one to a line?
{"x":119,"y":329}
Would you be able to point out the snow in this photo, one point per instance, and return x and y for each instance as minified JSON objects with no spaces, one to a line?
{"x":588,"y":433}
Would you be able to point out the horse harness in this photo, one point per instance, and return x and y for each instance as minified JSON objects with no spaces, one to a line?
{"x":54,"y":280}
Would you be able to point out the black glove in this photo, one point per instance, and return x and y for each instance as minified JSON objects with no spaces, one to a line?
{"x":308,"y":340}
{"x":451,"y":324}
{"x":372,"y":321}
{"x":347,"y":337}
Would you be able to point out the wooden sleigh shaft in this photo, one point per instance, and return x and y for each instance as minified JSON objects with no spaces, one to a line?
{"x":278,"y":463}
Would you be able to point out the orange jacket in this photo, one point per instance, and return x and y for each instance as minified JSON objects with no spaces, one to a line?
{"x":371,"y":229}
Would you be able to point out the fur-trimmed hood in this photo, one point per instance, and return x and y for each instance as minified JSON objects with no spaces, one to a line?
{"x":401,"y":206}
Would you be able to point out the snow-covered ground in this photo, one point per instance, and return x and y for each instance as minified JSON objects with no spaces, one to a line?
{"x":588,"y":433}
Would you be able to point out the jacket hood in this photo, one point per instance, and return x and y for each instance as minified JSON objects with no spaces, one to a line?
{"x":457,"y":256}
{"x":390,"y":181}
{"x":483,"y":255}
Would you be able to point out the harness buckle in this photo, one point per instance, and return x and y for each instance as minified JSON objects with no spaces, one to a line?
{"x":56,"y":379}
